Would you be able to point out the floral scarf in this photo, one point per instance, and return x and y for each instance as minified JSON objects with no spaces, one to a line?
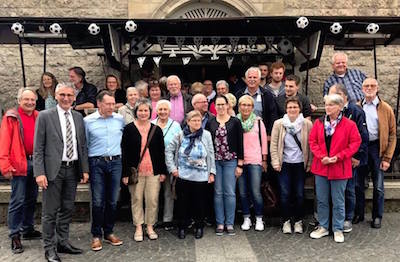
{"x":331,"y":126}
{"x":248,"y":123}
{"x":293,"y":127}
{"x":192,"y":137}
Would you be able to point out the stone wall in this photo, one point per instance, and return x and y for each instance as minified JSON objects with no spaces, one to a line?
{"x":61,"y":57}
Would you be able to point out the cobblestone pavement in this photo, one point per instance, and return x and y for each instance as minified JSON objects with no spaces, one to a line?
{"x":362,"y":244}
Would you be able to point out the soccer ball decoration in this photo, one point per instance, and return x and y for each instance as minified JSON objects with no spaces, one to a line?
{"x":336,"y":28}
{"x":372,"y":28}
{"x":285,"y":47}
{"x":94,"y":29}
{"x":130,"y":26}
{"x":55,"y":28}
{"x":17,"y":28}
{"x":302,"y":22}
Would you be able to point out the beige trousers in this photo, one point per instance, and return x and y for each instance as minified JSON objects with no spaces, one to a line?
{"x":148,"y":187}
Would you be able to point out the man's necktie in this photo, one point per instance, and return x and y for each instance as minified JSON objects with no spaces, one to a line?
{"x":70,"y":146}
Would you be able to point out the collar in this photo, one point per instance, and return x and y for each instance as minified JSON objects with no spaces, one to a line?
{"x":374,"y":102}
{"x":179,"y":95}
{"x":342,"y":75}
{"x":60,"y":110}
{"x":246,"y":91}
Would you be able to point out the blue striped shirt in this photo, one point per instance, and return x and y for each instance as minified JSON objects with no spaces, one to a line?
{"x":103,"y":135}
{"x":352,"y":80}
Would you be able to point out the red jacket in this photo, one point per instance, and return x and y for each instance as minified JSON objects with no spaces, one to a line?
{"x":12,"y":150}
{"x":344,"y":144}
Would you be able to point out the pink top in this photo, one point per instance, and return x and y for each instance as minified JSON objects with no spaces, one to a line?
{"x":177,"y":108}
{"x":251,"y":144}
{"x":154,"y":112}
{"x":146,"y":166}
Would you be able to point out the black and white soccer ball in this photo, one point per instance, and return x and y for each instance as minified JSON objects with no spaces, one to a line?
{"x":17,"y":28}
{"x":130,"y":26}
{"x":94,"y":29}
{"x":372,"y":28}
{"x":336,"y":28}
{"x":302,"y":22}
{"x":285,"y":47}
{"x":55,"y":28}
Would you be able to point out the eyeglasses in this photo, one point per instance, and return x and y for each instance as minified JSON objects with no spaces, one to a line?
{"x":66,"y":95}
{"x":154,"y":83}
{"x":201,"y":102}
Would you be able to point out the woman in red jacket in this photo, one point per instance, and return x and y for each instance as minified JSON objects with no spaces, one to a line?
{"x":334,"y":139}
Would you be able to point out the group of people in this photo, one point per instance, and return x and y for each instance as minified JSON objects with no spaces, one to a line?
{"x":196,"y":147}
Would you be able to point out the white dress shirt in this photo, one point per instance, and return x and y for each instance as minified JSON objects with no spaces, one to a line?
{"x":371,"y":117}
{"x":61,"y":116}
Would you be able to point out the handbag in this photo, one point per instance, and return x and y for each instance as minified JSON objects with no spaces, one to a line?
{"x":134,"y":176}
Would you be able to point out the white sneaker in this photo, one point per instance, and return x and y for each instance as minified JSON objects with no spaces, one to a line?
{"x":246,"y":224}
{"x":319,"y":232}
{"x":338,"y":236}
{"x":287,"y":227}
{"x":259,"y":224}
{"x":298,"y":227}
{"x":347,"y":226}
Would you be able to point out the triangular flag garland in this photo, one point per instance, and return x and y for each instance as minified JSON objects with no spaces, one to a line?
{"x":229,"y":60}
{"x":186,"y":60}
{"x":156,"y":60}
{"x":141,"y":60}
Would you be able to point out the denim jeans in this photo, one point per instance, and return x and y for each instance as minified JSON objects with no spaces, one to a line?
{"x":350,"y":196}
{"x":291,"y":182}
{"x":377,"y":179}
{"x":21,"y":208}
{"x":362,"y":171}
{"x":250,"y":185}
{"x":225,"y":195}
{"x":335,"y":189}
{"x":105,"y":177}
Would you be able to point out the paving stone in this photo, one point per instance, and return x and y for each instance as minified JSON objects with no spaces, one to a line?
{"x":362,"y":244}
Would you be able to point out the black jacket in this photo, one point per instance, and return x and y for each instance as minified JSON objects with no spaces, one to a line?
{"x":87,"y":94}
{"x":235,"y":134}
{"x":304,"y":100}
{"x":356,"y":113}
{"x":187,"y":102}
{"x":131,"y":149}
{"x":270,"y":110}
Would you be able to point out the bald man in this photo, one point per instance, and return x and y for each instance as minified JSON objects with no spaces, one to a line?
{"x":16,"y":149}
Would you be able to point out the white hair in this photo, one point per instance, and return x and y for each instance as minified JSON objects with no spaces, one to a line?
{"x":64,"y":84}
{"x":253,"y":68}
{"x":222,"y":82}
{"x":22,"y":90}
{"x":141,"y":85}
{"x":335,"y":99}
{"x":130,"y":89}
{"x":339,"y":54}
{"x":173,"y":77}
{"x":163,"y":102}
{"x":197,"y":97}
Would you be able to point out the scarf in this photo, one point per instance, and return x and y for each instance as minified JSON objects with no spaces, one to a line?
{"x":248,"y":123}
{"x":293,"y":127}
{"x":192,"y":137}
{"x":331,"y":126}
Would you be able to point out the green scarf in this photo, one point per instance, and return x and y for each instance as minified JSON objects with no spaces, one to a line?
{"x":249,"y":123}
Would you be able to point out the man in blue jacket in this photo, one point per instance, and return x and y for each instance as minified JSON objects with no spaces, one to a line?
{"x":359,"y":160}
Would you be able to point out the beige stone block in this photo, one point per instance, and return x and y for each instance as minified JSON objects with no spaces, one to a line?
{"x":273,"y":8}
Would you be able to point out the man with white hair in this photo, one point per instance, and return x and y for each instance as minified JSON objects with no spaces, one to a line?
{"x":180,"y":102}
{"x":352,"y":79}
{"x":200,"y":103}
{"x":60,"y":161}
{"x":381,"y":125}
{"x":16,"y":149}
{"x":264,"y":103}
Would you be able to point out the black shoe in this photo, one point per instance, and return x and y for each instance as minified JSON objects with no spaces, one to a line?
{"x":68,"y":249}
{"x":181,"y":233}
{"x":16,"y":246}
{"x":209,"y":222}
{"x":168,"y":226}
{"x":357,"y":219}
{"x":51,"y":256}
{"x":198,"y":233}
{"x":33,"y":234}
{"x":376,"y":223}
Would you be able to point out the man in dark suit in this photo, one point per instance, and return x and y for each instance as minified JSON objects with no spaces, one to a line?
{"x":60,"y":158}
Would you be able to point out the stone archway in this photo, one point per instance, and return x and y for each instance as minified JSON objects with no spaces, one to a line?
{"x":204,"y":9}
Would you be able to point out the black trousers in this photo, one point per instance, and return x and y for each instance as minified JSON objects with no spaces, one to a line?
{"x":191,"y":202}
{"x":58,"y":206}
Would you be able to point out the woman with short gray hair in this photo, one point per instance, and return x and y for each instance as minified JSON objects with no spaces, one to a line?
{"x":333,"y":140}
{"x":170,"y":128}
{"x":126,"y":110}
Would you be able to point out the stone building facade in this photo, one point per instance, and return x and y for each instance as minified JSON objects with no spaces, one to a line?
{"x":61,"y":57}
